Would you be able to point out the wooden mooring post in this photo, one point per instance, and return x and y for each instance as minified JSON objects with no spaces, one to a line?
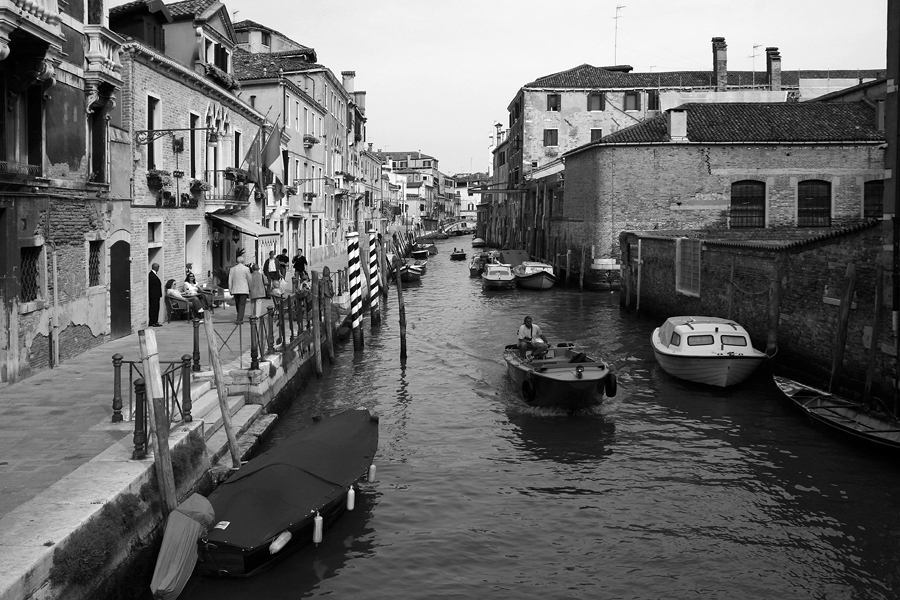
{"x":840,"y":338}
{"x":397,"y":263}
{"x":581,"y":275}
{"x":315,"y":290}
{"x":221,"y":390}
{"x":374,"y":282}
{"x":159,"y":423}
{"x":355,"y":289}
{"x":876,"y":326}
{"x":327,"y":294}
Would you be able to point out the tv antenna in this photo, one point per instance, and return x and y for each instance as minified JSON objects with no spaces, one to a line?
{"x":616,"y":35}
{"x":753,"y":56}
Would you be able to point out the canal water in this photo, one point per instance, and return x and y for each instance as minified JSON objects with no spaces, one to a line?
{"x":668,"y":490}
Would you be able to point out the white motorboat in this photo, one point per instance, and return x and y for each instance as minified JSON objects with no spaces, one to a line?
{"x":534,"y":275}
{"x":707,"y":350}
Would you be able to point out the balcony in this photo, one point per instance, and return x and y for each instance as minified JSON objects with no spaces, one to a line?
{"x":39,"y":18}
{"x":103,"y":64}
{"x":226,"y":192}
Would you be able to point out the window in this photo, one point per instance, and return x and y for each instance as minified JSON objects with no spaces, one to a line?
{"x":632,"y":101}
{"x":676,"y":339}
{"x":653,"y":100}
{"x":733,"y":340}
{"x":748,"y":204}
{"x":873,"y":199}
{"x":553,"y":102}
{"x":194,"y":147}
{"x":700,"y":340}
{"x":596,"y":134}
{"x":596,"y":101}
{"x":94,"y":249}
{"x":154,"y":232}
{"x":687,"y":266}
{"x":21,"y":130}
{"x":297,"y":115}
{"x":31,"y":273}
{"x":814,"y":203}
{"x":551,"y":137}
{"x":501,"y":158}
{"x":266,"y":38}
{"x":154,"y":155}
{"x":238,"y":159}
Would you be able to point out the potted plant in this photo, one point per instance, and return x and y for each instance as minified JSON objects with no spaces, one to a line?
{"x":158,"y":178}
{"x":309,"y":140}
{"x":236,"y":174}
{"x":290,"y":190}
{"x":241,"y":192}
{"x":188,"y":200}
{"x":198,"y":185}
{"x":308,"y":196}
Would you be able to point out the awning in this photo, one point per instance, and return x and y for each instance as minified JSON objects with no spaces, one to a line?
{"x":245,"y":225}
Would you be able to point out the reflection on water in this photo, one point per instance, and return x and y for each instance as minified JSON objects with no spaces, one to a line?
{"x":668,"y":490}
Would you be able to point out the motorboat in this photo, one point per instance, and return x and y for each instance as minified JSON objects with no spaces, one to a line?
{"x":534,"y":275}
{"x":564,"y":377}
{"x":419,"y":252}
{"x":497,"y":276}
{"x":707,"y":350}
{"x":476,"y":266}
{"x":413,"y":270}
{"x":457,"y":255}
{"x":478,"y":243}
{"x":287,"y":496}
{"x":874,"y":423}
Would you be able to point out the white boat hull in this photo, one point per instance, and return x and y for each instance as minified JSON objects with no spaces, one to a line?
{"x":536,"y":281}
{"x":721,"y":371}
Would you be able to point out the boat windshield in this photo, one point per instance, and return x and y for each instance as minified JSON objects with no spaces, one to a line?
{"x":734,"y":340}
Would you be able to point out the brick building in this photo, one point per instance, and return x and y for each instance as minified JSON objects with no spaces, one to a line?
{"x":719,"y":166}
{"x":60,"y":73}
{"x":183,"y":136}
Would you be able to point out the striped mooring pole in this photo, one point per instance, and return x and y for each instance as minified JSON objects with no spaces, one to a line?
{"x":374,"y":290}
{"x":355,"y":289}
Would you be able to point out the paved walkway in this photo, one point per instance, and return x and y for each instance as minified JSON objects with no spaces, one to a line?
{"x":56,"y":421}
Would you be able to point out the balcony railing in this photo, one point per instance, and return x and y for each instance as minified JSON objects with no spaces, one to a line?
{"x":226,"y":191}
{"x":103,"y":53}
{"x":22,"y":169}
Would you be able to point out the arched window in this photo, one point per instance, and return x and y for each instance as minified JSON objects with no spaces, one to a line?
{"x":873,"y":199}
{"x":748,"y":204}
{"x":814,"y":203}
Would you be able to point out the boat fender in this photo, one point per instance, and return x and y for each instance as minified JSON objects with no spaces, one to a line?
{"x":371,"y":475}
{"x":612,"y":385}
{"x":351,"y":498}
{"x":528,"y":391}
{"x":317,"y":529}
{"x":279,"y":542}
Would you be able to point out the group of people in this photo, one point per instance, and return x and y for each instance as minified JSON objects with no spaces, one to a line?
{"x":256,"y":285}
{"x":243,"y":282}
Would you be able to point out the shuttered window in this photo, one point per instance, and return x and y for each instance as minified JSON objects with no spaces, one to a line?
{"x":596,"y":101}
{"x":873,"y":199}
{"x":687,"y":266}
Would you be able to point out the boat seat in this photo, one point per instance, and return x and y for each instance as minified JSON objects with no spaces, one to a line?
{"x":567,"y":365}
{"x":579,"y":358}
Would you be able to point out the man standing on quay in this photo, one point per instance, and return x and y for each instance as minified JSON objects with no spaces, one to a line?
{"x":300,"y":266}
{"x":155,"y":287}
{"x":239,"y":286}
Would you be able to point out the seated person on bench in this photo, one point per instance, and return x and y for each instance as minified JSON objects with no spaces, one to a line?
{"x":532,"y":338}
{"x":194,"y":301}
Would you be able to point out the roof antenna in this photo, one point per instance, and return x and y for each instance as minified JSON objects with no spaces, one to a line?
{"x":616,"y":37}
{"x":753,"y":56}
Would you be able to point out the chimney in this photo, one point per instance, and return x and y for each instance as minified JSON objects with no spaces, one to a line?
{"x":360,"y":99}
{"x":347,"y":77}
{"x":676,"y":124}
{"x":773,"y":68}
{"x":370,"y":146}
{"x":720,"y":63}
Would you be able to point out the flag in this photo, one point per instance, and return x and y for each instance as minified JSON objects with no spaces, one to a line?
{"x":251,"y":159}
{"x":272,"y":150}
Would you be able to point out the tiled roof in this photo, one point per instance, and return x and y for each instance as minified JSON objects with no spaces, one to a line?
{"x":249,"y":65}
{"x":412,"y":154}
{"x":761,"y":122}
{"x":588,"y":76}
{"x":152,"y":5}
{"x":189,"y":7}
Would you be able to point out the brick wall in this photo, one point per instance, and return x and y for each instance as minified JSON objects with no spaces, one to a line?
{"x":812,"y":276}
{"x":688,"y":186}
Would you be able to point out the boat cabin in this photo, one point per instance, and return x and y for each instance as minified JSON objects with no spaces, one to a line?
{"x":703,"y":335}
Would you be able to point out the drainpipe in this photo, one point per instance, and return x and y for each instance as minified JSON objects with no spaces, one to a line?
{"x":54,"y":343}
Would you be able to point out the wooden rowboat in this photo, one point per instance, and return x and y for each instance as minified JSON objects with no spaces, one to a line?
{"x":860,"y":422}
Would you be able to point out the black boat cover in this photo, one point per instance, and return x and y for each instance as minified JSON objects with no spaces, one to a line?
{"x":294,"y":479}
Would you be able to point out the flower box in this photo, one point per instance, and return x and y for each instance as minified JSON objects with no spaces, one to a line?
{"x":157,"y":178}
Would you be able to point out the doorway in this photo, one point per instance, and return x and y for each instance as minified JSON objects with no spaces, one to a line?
{"x":120,"y":289}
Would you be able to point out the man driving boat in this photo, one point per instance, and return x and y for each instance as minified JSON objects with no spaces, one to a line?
{"x":531,"y":338}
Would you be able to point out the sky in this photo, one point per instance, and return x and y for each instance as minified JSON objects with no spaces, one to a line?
{"x":438,"y":74}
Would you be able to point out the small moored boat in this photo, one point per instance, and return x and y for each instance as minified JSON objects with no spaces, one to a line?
{"x":877,"y":426}
{"x":497,"y":276}
{"x":413,"y":269}
{"x":419,"y":252}
{"x":564,"y":377}
{"x":278,"y":501}
{"x":705,"y":350}
{"x":534,"y":275}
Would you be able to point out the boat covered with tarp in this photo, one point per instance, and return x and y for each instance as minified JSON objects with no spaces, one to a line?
{"x":275,"y":504}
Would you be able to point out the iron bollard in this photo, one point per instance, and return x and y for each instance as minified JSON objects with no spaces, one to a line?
{"x":186,"y":387}
{"x":254,"y":342}
{"x":140,"y":429}
{"x":196,"y":345}
{"x":117,"y":388}
{"x":270,"y":328}
{"x":281,"y":338}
